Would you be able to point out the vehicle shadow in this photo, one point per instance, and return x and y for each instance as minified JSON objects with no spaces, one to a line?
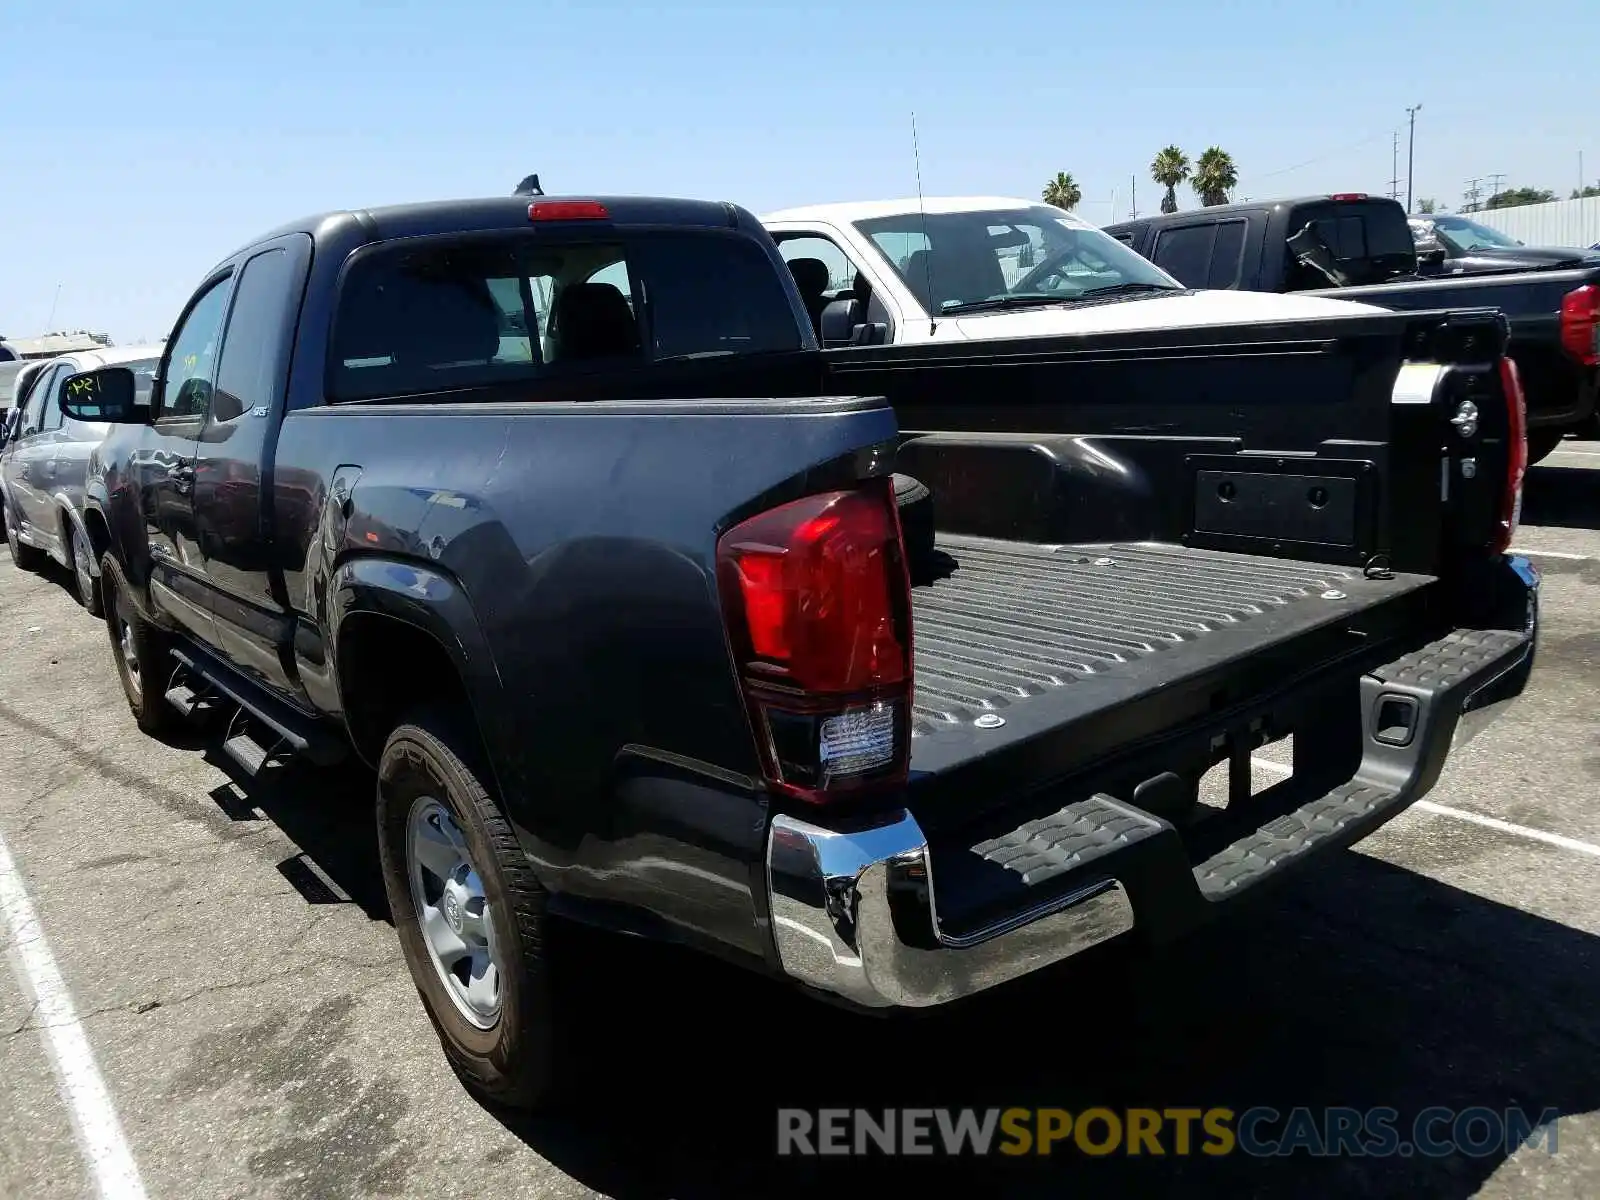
{"x":1565,"y":497}
{"x":1364,"y":985}
{"x":1359,"y":985}
{"x":64,"y":579}
{"x":326,"y":811}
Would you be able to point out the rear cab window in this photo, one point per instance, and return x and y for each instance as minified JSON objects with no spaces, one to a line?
{"x":1372,"y":242}
{"x":437,"y":314}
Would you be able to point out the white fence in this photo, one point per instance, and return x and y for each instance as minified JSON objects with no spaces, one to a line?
{"x":1559,"y":223}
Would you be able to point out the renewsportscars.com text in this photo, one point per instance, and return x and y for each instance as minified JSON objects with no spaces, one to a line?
{"x":1261,"y":1131}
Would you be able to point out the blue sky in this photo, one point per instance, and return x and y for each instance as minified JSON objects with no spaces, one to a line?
{"x":142,"y":142}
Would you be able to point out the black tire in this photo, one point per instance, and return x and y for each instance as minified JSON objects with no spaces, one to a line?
{"x":513,"y":1062}
{"x":27,"y":558}
{"x":915,"y":502}
{"x":1542,"y":443}
{"x":85,"y":581}
{"x":144,"y":679}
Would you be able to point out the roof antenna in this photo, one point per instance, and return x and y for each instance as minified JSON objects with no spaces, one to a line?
{"x":529,"y":187}
{"x":927,"y":252}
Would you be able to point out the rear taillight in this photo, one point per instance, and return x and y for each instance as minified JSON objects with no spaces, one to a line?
{"x":1516,"y":454}
{"x":1580,"y":324}
{"x":818,"y":609}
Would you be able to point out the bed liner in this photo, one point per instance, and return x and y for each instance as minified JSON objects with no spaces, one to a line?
{"x":1014,"y":629}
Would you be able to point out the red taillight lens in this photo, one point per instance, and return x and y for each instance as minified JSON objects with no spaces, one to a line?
{"x":568,"y":210}
{"x":817,"y":603}
{"x":1516,"y":454}
{"x":1580,"y":324}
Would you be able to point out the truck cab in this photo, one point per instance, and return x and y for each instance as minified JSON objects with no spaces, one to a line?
{"x":1355,"y":246}
{"x":986,"y":267}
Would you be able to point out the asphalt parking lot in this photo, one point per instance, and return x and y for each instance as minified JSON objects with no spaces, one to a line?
{"x":225,"y":951}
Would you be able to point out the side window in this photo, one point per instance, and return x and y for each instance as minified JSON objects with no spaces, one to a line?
{"x":1227,"y":255}
{"x":54,"y":418}
{"x":1185,"y":253}
{"x":841,"y":271}
{"x":250,"y":371}
{"x":42,"y":385}
{"x":186,"y":390}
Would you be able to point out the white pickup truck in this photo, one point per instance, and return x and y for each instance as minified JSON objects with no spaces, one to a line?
{"x":986,"y":267}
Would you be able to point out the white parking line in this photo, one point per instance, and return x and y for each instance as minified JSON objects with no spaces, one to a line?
{"x":1538,"y":835}
{"x":116,"y":1175}
{"x":1461,"y":814}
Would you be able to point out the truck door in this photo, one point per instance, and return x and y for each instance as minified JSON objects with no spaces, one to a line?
{"x":26,"y":460}
{"x":253,"y":624}
{"x":165,"y":467}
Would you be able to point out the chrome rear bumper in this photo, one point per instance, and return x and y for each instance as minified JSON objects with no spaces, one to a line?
{"x":853,"y":914}
{"x":854,"y":911}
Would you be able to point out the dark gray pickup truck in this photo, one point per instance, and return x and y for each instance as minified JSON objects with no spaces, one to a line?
{"x":552,"y":511}
{"x":1361,"y":248}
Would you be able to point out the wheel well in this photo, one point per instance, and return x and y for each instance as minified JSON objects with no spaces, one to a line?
{"x":386,"y":667}
{"x":94,"y":524}
{"x":64,"y":519}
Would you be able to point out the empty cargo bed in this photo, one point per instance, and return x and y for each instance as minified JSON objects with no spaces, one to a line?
{"x":1016,"y":638}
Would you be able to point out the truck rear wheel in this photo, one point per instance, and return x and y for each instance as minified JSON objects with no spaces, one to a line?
{"x":142,"y":654}
{"x":469,"y":912}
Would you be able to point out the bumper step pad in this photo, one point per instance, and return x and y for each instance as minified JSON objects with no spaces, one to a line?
{"x":1288,"y":837}
{"x":1069,"y":839}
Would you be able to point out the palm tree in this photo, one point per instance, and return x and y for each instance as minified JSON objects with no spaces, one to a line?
{"x":1169,"y":169}
{"x":1063,"y":192}
{"x":1215,"y":176}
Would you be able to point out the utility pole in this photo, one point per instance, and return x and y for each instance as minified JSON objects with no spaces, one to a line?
{"x":1411,"y":153}
{"x":1580,"y":172}
{"x":1394,"y":166}
{"x":1494,"y":186}
{"x":1471,"y":195}
{"x":1133,"y":190}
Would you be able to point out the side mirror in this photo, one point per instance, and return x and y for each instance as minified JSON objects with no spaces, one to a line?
{"x":839,"y":321}
{"x":1430,"y":256}
{"x":103,"y":395}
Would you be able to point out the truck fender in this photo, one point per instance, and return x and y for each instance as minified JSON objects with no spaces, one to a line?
{"x":423,"y":600}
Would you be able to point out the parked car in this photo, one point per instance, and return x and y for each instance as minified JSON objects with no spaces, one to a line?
{"x":1360,"y":246}
{"x":986,"y":267}
{"x":1451,"y":244}
{"x":45,"y":462}
{"x":625,"y":620}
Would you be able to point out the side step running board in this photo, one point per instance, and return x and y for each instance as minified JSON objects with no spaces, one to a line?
{"x":187,"y":698}
{"x":289,"y":732}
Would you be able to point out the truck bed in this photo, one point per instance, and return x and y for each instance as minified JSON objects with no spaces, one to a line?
{"x":1034,"y":633}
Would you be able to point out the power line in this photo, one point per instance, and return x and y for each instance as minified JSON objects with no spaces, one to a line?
{"x":1366,"y":141}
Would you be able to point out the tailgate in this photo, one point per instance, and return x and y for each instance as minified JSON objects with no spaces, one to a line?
{"x":1034,"y":661}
